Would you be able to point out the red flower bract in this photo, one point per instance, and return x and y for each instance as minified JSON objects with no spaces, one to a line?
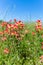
{"x":38,"y":26}
{"x":3,"y":24}
{"x":1,"y":33}
{"x":42,"y":43}
{"x":33,"y":33}
{"x":6,"y":50}
{"x":42,"y":47}
{"x":4,"y":38}
{"x":41,"y":57}
{"x":38,"y":21}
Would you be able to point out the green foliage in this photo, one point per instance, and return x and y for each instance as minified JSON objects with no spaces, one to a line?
{"x":26,"y":51}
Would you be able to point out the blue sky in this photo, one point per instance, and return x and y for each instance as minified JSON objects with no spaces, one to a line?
{"x":21,"y":9}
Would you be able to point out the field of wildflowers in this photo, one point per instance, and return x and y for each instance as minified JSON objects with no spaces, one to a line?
{"x":21,"y":43}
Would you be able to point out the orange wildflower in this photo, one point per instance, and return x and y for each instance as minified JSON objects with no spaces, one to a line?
{"x":33,"y":33}
{"x":6,"y":50}
{"x":42,"y":43}
{"x":8,"y":26}
{"x":41,"y":47}
{"x":4,"y":38}
{"x":38,"y":22}
{"x":38,"y":25}
{"x":41,"y":57}
{"x":3,"y":24}
{"x":15,"y":26}
{"x":1,"y":33}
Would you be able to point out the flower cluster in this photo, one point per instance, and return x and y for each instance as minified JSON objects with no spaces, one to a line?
{"x":11,"y":29}
{"x":38,"y":26}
